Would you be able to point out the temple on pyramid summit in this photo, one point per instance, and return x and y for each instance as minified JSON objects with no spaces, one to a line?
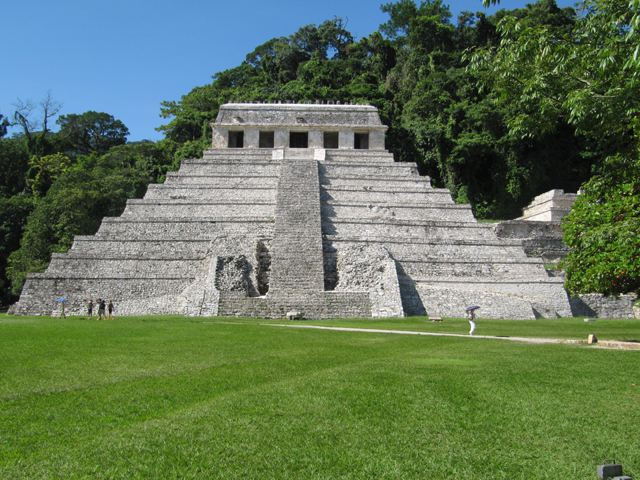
{"x":297,"y":208}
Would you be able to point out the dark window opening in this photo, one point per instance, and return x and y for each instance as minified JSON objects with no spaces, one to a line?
{"x":236,"y":139}
{"x":361,"y":141}
{"x":299,"y":140}
{"x":266,"y":140}
{"x":330,"y":139}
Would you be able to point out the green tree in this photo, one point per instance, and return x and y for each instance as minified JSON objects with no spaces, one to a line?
{"x":46,"y":170}
{"x":603,"y":230}
{"x":36,"y":142}
{"x":14,"y":164}
{"x":92,"y":131}
{"x":586,"y":73}
{"x":14,"y":212}
{"x":4,"y":123}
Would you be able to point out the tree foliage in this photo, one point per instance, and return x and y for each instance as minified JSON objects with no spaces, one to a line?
{"x":75,"y":205}
{"x":92,"y":131}
{"x":585,"y":73}
{"x":603,"y":229}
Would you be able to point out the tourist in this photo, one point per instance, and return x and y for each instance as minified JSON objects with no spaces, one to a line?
{"x":472,"y":318}
{"x":90,"y":309}
{"x":62,"y":302}
{"x":101,"y":307}
{"x":110,"y":310}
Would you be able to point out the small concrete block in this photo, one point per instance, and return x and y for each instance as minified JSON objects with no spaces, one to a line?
{"x":592,"y":339}
{"x":610,"y":469}
{"x":589,"y":319}
{"x":435,"y":319}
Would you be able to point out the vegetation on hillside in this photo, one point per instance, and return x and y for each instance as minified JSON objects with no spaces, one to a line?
{"x":587,"y":75}
{"x":496,"y":108}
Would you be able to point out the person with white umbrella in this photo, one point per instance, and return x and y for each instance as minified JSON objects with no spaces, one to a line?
{"x":472,"y":317}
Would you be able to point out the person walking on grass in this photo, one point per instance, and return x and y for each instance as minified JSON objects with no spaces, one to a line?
{"x":110,"y":310}
{"x":101,"y":307}
{"x":471,"y":315}
{"x":90,"y":309}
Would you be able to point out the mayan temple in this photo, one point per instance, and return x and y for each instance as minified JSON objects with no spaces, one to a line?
{"x":297,"y":208}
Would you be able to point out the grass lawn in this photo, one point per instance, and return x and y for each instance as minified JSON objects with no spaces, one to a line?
{"x":175,"y":397}
{"x":566,"y":328}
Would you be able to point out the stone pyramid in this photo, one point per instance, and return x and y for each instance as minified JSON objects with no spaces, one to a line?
{"x":297,"y":208}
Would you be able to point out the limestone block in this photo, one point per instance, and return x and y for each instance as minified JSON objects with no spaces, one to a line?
{"x":599,"y":306}
{"x":551,"y":206}
{"x":232,"y":274}
{"x":376,"y":140}
{"x":281,"y":138}
{"x":219,"y":136}
{"x":251,"y":137}
{"x":316,"y":139}
{"x":337,"y":170}
{"x":215,"y":181}
{"x":292,"y":114}
{"x":345,"y":139}
{"x":370,"y":269}
{"x":319,"y":154}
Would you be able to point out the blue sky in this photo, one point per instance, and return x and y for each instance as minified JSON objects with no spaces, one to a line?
{"x":125,"y":57}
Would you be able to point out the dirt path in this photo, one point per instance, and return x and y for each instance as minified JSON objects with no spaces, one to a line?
{"x":406,"y":332}
{"x":601,"y":344}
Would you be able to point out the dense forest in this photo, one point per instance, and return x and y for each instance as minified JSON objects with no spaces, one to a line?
{"x":492,"y":107}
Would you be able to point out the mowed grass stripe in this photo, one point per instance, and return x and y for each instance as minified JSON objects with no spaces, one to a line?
{"x":233,"y":401}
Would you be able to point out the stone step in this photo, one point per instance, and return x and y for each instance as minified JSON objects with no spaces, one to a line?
{"x":420,"y":189}
{"x":364,"y":181}
{"x":476,"y":269}
{"x":364,"y":194}
{"x":420,"y":213}
{"x":310,"y":304}
{"x":532,"y":287}
{"x":225,"y":181}
{"x":217,"y":154}
{"x":116,"y":267}
{"x":445,"y":252}
{"x":236,"y":168}
{"x":346,"y":155}
{"x":341,"y":169}
{"x":219,"y":194}
{"x":203,"y":228}
{"x":392,"y":227}
{"x":424,"y":244}
{"x":170,"y":248}
{"x":362,"y":156}
{"x":194,"y":209}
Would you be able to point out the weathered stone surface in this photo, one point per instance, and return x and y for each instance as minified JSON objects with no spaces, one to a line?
{"x":599,"y":306}
{"x":370,"y":268}
{"x":551,"y":206}
{"x":261,"y":231}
